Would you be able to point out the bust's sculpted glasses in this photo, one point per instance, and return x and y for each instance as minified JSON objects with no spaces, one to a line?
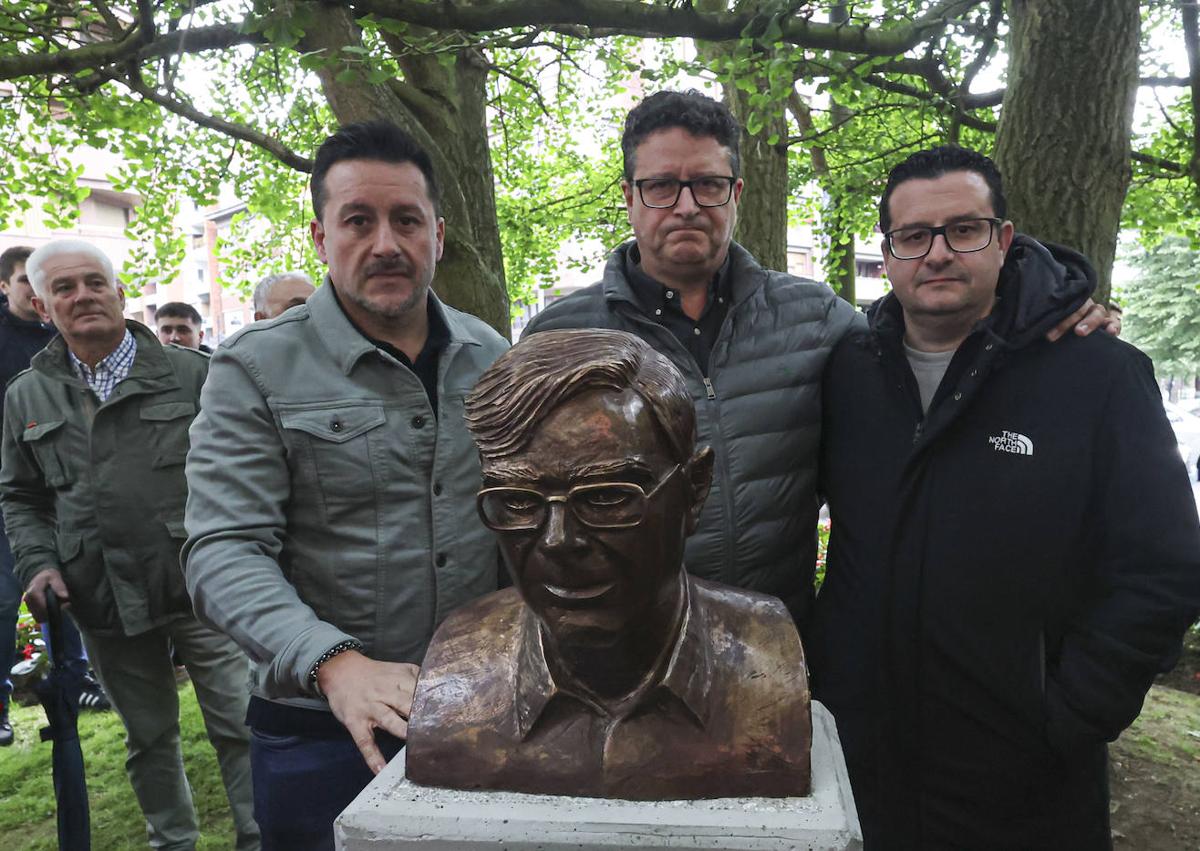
{"x":606,"y":671}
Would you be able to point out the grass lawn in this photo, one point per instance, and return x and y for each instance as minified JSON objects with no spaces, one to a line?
{"x":27,"y":806}
{"x":1156,"y":775}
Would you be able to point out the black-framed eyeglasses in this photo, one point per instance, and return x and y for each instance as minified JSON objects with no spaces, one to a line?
{"x":963,"y":237}
{"x":661,"y":192}
{"x":604,"y":505}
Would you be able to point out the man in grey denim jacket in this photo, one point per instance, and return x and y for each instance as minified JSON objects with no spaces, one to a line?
{"x":332,"y":519}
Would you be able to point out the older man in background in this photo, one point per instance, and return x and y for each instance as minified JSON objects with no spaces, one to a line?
{"x":93,"y":492}
{"x":22,"y":335}
{"x":276,"y":293}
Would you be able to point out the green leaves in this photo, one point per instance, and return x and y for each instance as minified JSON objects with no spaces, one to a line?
{"x":1162,"y":306}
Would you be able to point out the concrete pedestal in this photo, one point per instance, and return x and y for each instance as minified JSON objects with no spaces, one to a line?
{"x":393,"y":813}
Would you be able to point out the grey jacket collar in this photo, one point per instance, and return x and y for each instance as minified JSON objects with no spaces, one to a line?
{"x":347,"y":345}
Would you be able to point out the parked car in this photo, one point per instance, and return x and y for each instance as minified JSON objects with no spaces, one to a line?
{"x":1187,"y":434}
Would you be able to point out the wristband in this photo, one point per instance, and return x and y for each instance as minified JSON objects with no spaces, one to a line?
{"x":340,"y":647}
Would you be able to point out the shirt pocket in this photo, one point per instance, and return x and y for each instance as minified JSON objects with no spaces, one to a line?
{"x":166,"y":424}
{"x":44,"y":440}
{"x":336,"y":439}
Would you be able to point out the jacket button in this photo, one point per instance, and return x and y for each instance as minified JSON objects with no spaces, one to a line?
{"x":437,"y":489}
{"x":418,"y":421}
{"x":988,"y":347}
{"x":440,"y":560}
{"x":957,"y":396}
{"x":336,"y":425}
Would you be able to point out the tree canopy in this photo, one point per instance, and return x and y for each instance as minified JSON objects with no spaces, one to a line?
{"x":520,"y":102}
{"x":1162,"y":307}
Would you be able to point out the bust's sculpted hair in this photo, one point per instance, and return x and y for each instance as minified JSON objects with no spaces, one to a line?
{"x":546,"y":369}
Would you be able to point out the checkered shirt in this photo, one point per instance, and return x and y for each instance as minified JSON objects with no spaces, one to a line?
{"x":111,"y":370}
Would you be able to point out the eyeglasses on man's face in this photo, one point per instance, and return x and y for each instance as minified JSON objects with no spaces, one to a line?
{"x":963,"y":237}
{"x":661,"y":192}
{"x":604,"y":505}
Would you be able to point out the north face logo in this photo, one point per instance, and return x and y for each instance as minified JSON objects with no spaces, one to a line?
{"x":1011,"y":441}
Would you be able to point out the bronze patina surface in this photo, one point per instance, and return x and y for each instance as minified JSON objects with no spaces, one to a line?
{"x":606,"y":671}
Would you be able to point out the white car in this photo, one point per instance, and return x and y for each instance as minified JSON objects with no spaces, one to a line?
{"x":1187,"y":434}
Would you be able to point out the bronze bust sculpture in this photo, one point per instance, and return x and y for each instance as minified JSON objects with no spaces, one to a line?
{"x":606,"y":671}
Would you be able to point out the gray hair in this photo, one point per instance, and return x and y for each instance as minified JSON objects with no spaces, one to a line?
{"x":54,"y":248}
{"x":264,"y":287}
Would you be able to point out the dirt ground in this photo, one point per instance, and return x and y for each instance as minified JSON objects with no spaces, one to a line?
{"x":1155,"y":771}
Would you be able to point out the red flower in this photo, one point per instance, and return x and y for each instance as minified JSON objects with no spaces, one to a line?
{"x":28,"y":651}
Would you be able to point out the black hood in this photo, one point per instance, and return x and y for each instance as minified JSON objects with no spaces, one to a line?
{"x":1040,"y":285}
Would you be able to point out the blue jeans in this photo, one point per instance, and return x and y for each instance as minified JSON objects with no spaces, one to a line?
{"x":76,"y":657}
{"x":10,"y":603}
{"x":302,"y":783}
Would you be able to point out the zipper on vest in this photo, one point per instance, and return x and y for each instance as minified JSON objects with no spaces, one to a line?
{"x":708,"y":385}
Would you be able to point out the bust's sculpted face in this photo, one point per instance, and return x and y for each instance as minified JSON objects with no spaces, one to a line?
{"x":588,"y":585}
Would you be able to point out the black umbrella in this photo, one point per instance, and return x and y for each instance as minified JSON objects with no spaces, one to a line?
{"x":59,"y":694}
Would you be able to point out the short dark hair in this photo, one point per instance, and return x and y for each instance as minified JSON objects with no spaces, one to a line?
{"x":529,"y":381}
{"x":179,"y":310}
{"x":691,"y":110}
{"x":10,"y":258}
{"x":371,"y":140}
{"x":933,"y":163}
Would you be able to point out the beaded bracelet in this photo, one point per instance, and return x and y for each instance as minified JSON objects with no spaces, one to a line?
{"x":340,"y":647}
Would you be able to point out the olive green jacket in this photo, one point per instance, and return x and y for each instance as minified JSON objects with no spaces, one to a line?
{"x":327,"y":501}
{"x":97,"y":490}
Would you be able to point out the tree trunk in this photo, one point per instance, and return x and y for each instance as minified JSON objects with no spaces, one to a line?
{"x":762,"y":213}
{"x":443,"y":108}
{"x":1063,"y":140}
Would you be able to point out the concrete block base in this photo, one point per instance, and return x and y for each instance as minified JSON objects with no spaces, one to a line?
{"x":393,"y":813}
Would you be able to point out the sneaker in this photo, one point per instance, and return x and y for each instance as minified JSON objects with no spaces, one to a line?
{"x":6,"y":730}
{"x":92,"y":695}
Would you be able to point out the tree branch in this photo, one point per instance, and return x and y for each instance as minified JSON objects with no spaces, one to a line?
{"x":1159,"y":162}
{"x":129,"y":46}
{"x":1165,"y":82}
{"x":982,"y":56}
{"x":965,"y":118}
{"x":631,"y":17}
{"x":237,"y":131}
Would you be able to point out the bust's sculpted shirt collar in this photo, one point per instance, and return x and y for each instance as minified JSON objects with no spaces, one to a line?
{"x":686,"y":675}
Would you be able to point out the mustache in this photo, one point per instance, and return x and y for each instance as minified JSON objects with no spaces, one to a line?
{"x":389,"y":266}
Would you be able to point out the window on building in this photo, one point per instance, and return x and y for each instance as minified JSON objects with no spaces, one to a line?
{"x":98,"y":213}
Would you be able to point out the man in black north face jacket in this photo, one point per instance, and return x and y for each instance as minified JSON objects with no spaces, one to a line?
{"x":1015,"y":550}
